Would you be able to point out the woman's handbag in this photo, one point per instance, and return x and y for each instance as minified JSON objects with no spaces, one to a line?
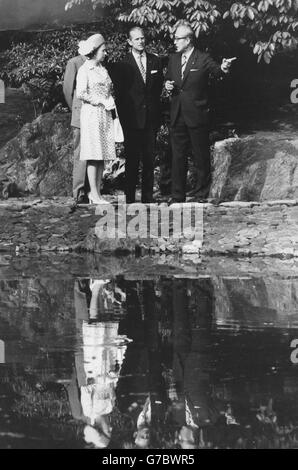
{"x":118,"y":131}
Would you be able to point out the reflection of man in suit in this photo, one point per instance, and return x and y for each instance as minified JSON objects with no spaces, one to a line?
{"x":69,"y":90}
{"x":142,"y":371}
{"x":138,"y":83}
{"x":187,"y":80}
{"x":194,"y":407}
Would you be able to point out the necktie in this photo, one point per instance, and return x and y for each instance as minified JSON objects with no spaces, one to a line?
{"x":142,"y":68}
{"x":183,"y":65}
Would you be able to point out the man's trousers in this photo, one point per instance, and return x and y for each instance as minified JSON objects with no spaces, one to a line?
{"x":139,"y":146}
{"x":182,"y":139}
{"x":79,"y":183}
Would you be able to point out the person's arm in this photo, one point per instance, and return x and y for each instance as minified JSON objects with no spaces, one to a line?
{"x":69,"y":82}
{"x":219,"y":71}
{"x":118,"y":75}
{"x":169,"y":82}
{"x":112,"y":71}
{"x":84,"y":94}
{"x":214,"y":67}
{"x":168,"y":75}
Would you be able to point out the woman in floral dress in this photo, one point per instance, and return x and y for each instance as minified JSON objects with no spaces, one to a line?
{"x":94,"y":88}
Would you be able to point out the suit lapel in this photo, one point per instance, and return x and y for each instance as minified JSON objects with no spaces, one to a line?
{"x":190,"y":64}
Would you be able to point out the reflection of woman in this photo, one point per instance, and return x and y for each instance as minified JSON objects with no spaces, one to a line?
{"x":94,"y":88}
{"x":105,"y":298}
{"x":103,"y":355}
{"x":92,"y":392}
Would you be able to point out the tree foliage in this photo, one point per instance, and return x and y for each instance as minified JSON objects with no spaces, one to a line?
{"x":269,"y":26}
{"x":38,"y":63}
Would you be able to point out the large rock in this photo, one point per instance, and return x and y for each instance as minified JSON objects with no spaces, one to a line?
{"x":255,"y":168}
{"x":39,"y":159}
{"x":255,"y":301}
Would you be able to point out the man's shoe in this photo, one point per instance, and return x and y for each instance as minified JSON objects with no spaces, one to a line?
{"x":203,"y":200}
{"x":161,"y":199}
{"x":82,"y":199}
{"x":200,"y":200}
{"x":174,"y":200}
{"x":148,"y":200}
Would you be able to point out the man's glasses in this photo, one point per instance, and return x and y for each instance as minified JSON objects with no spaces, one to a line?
{"x":176,"y":38}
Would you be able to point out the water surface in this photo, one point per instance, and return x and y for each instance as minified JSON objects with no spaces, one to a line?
{"x":161,"y":362}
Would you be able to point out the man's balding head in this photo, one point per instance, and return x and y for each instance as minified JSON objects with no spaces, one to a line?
{"x":184,"y":37}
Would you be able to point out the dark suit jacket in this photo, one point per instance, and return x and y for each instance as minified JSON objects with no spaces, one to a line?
{"x":69,"y":88}
{"x":190,"y":95}
{"x":138,"y":104}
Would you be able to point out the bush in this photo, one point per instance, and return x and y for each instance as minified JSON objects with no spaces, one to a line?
{"x":37,"y":64}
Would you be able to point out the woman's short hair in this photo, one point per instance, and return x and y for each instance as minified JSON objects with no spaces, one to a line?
{"x":93,"y":53}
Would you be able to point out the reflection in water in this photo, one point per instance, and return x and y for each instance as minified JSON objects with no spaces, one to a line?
{"x":98,"y":362}
{"x":164,"y":363}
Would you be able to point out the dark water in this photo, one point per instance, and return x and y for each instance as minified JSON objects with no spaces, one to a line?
{"x":165,"y":363}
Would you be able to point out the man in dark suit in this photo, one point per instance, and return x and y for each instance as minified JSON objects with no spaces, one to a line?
{"x":138,"y":83}
{"x":187,"y":82}
{"x":79,"y":180}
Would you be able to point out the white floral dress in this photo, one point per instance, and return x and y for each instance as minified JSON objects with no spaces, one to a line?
{"x":104,"y":352}
{"x":94,"y":88}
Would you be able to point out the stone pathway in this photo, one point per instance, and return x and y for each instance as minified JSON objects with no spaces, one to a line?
{"x":238,"y":229}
